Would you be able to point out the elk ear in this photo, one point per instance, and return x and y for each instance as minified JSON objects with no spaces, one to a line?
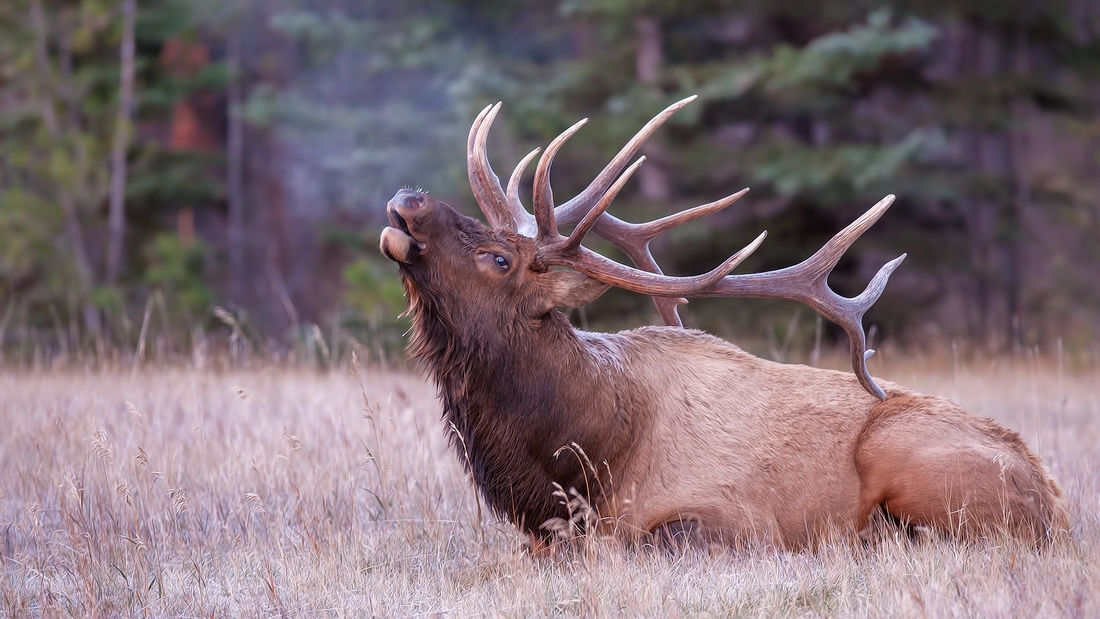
{"x":572,"y":289}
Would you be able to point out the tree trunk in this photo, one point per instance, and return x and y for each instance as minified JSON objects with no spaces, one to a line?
{"x":48,"y":112}
{"x":649,"y":56}
{"x":235,"y":172}
{"x":986,"y":154}
{"x":264,"y":159}
{"x":73,"y":231}
{"x":116,"y":223}
{"x":1010,"y":244}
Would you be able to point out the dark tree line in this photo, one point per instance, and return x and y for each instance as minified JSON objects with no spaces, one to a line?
{"x":160,"y":159}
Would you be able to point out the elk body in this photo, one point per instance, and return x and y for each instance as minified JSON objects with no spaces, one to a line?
{"x":666,"y":429}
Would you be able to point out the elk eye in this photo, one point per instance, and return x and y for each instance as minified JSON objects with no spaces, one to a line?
{"x":501,"y":261}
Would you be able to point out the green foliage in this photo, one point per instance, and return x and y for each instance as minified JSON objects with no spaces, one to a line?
{"x":29,"y":249}
{"x":842,"y":170}
{"x":180,"y":272}
{"x":165,"y":181}
{"x":836,"y":60}
{"x":374,"y":291}
{"x":828,"y":66}
{"x":109,"y":299}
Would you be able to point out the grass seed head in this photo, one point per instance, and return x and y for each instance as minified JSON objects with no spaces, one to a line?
{"x":255,"y":503}
{"x":292,"y":442}
{"x":100,"y":446}
{"x":179,"y":500}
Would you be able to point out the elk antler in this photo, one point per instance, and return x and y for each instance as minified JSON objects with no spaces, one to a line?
{"x":805,"y":282}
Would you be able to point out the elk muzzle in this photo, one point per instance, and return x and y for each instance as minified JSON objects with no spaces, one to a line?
{"x":397,"y":242}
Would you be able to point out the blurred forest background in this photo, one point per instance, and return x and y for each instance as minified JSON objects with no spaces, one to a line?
{"x":180,"y":175}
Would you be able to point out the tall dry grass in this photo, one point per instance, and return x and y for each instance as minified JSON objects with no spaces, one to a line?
{"x":279,"y":492}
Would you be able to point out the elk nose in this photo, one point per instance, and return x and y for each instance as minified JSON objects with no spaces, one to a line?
{"x":409,"y":198}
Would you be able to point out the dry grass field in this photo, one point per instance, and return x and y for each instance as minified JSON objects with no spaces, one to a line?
{"x":289,"y":492}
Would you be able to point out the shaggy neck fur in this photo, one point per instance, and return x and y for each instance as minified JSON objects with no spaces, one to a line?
{"x":517,"y":393}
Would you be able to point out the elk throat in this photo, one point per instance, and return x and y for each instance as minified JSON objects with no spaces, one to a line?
{"x":532,"y":407}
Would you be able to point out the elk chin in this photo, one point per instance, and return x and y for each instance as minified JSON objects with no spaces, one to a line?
{"x":399,"y":246}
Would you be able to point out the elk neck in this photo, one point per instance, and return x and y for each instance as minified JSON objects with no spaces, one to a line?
{"x":516,"y":394}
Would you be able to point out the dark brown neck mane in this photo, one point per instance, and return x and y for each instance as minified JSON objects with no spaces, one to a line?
{"x":517,"y":393}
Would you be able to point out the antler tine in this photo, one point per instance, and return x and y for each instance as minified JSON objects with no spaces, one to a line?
{"x":574,"y":209}
{"x":610,"y":272}
{"x":473,"y":170}
{"x":592,"y":216}
{"x":639,"y":254}
{"x":473,"y":128}
{"x":633,"y":239}
{"x":652,"y":229}
{"x":483,"y":181}
{"x":830,"y":253}
{"x":543,"y":200}
{"x":856,"y":337}
{"x":525,"y":223}
{"x":807,"y":282}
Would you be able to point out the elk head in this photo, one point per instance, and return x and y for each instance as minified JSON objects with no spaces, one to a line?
{"x":472,"y":274}
{"x":500,"y":275}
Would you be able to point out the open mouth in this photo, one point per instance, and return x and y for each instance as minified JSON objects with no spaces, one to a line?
{"x":397,"y":240}
{"x":397,"y":221}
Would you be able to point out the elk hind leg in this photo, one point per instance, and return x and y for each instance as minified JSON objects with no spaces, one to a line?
{"x":928,"y":463}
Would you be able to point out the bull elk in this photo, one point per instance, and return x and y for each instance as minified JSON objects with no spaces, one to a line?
{"x":673,"y":431}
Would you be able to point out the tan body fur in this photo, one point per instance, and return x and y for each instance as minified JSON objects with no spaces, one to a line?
{"x":751,"y":450}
